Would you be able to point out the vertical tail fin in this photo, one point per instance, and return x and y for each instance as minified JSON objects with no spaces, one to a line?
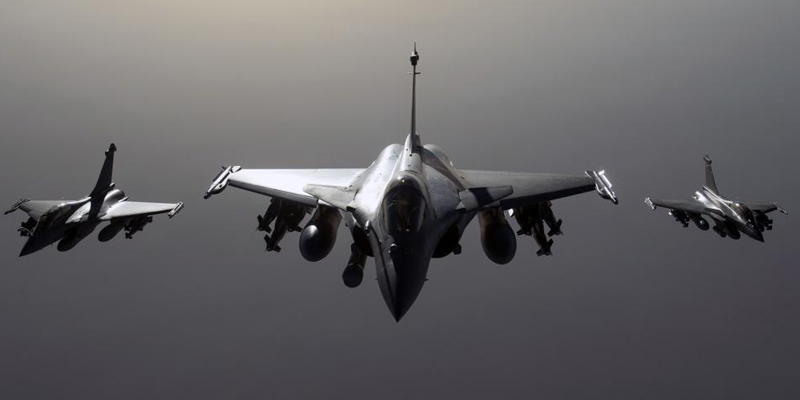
{"x":710,"y":182}
{"x":104,"y":180}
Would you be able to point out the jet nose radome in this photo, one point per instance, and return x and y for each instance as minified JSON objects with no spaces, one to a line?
{"x":753,"y":232}
{"x":25,"y":251}
{"x":31,"y":246}
{"x":401,"y":281}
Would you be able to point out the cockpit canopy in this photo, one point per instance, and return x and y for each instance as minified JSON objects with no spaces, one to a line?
{"x":47,"y":218}
{"x":404,"y":206}
{"x":745,"y":212}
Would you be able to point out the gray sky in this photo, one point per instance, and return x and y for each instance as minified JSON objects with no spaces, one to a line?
{"x":630,"y":306}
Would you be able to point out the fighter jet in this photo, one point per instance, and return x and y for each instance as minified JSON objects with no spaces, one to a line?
{"x":410,"y":205}
{"x":730,"y":218}
{"x":70,"y":221}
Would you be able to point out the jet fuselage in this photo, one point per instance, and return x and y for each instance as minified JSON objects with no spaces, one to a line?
{"x":729,"y":214}
{"x":407,"y":202}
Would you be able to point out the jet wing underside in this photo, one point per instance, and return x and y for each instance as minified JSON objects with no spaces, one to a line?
{"x":528,"y":188}
{"x":290,"y":184}
{"x":128,"y":209}
{"x":765,"y":207}
{"x":680,"y":205}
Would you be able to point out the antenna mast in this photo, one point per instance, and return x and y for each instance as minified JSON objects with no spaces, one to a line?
{"x":414,"y":136}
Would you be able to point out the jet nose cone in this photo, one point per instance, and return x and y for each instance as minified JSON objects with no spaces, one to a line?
{"x":399,"y":308}
{"x":28,"y":248}
{"x":753,"y":232}
{"x":402,"y":297}
{"x":401,"y":280}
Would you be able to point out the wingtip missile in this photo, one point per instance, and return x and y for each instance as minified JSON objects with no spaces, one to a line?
{"x":176,"y":210}
{"x":16,"y":206}
{"x":221,"y":181}
{"x":780,"y":209}
{"x":603,"y":185}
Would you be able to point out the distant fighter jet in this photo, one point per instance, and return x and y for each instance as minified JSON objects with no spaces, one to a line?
{"x":70,"y":221}
{"x":731,"y":218}
{"x":409,"y":206}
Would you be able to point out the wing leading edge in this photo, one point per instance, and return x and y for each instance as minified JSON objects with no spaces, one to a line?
{"x":766,"y":207}
{"x":288,"y":184}
{"x":680,"y":205}
{"x":128,"y":209}
{"x":529,"y":188}
{"x":35,"y":208}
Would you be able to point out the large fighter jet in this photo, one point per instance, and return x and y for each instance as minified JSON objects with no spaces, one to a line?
{"x":70,"y":221}
{"x":731,"y":218}
{"x":409,"y":206}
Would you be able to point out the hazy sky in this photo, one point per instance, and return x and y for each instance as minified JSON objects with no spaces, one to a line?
{"x":631,"y":305}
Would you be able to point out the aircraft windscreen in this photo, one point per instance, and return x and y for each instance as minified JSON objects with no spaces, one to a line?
{"x":745,"y":212}
{"x":47,"y":218}
{"x":404,"y":208}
